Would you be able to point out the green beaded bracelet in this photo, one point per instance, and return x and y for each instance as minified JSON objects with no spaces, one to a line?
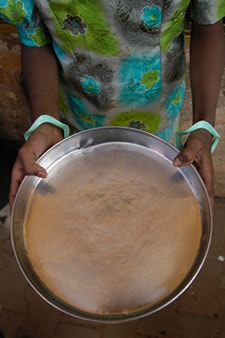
{"x":46,"y":119}
{"x":199,"y":125}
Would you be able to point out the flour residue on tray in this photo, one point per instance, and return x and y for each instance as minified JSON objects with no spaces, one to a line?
{"x":119,"y":233}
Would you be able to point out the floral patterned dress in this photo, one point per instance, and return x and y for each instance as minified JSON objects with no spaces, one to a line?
{"x":122,"y":62}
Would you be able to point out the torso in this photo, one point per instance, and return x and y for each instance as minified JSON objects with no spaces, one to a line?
{"x":122,"y":62}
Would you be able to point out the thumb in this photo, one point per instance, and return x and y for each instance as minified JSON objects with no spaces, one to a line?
{"x":197,"y":143}
{"x":185,"y":157}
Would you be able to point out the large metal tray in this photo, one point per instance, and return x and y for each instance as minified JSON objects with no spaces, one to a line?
{"x":115,"y":232}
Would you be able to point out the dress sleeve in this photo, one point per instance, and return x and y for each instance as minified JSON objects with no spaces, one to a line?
{"x":207,"y":11}
{"x":24,"y":15}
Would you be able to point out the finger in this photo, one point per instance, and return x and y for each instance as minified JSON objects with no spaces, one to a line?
{"x":189,"y":154}
{"x":17,"y":176}
{"x":35,"y":169}
{"x":27,"y":161}
{"x":211,"y":193}
{"x":198,"y":155}
{"x":16,"y":181}
{"x":206,"y":171}
{"x":19,"y":170}
{"x":197,"y":143}
{"x":14,"y":186}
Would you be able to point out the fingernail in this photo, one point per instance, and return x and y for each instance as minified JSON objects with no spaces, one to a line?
{"x":177,"y":162}
{"x":42,"y":174}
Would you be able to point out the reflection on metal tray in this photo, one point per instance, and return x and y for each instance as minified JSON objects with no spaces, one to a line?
{"x":115,"y":232}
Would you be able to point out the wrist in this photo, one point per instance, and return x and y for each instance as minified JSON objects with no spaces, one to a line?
{"x":49,"y":124}
{"x":205,"y":133}
{"x":203,"y":127}
{"x":50,"y":129}
{"x":204,"y":137}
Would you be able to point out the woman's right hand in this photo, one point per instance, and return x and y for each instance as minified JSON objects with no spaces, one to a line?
{"x":41,"y":140}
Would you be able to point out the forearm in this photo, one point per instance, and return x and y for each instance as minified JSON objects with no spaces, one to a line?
{"x":40,"y":72}
{"x":207,"y":57}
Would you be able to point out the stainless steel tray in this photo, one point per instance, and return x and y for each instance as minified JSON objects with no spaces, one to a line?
{"x":115,"y":232}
